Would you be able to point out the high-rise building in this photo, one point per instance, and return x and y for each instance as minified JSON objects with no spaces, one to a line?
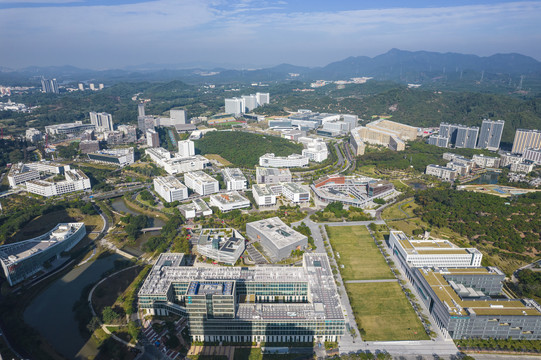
{"x":262,"y":98}
{"x":102,"y":121}
{"x":49,"y":86}
{"x":92,"y":87}
{"x":250,"y":101}
{"x":466,"y":137}
{"x":186,"y":148}
{"x":178,"y":117}
{"x":100,"y":86}
{"x":141,"y":109}
{"x":81,"y":87}
{"x":490,"y":134}
{"x":526,"y":139}
{"x":235,"y":106}
{"x":153,"y":138}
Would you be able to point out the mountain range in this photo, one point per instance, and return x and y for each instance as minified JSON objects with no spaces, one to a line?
{"x":396,"y":65}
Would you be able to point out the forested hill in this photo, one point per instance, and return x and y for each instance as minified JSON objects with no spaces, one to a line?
{"x":244,"y":149}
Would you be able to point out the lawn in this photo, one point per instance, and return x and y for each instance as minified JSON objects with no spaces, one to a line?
{"x":393,"y":211}
{"x":355,"y":249}
{"x":383,"y":311}
{"x":218,"y":158}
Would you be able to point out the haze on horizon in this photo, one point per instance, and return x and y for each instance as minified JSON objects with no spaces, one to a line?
{"x":99,"y":34}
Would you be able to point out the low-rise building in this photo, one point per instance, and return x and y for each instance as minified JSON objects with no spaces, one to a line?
{"x":68,"y":128}
{"x":263,"y":195}
{"x":278,"y":239}
{"x":486,"y":161}
{"x":272,"y":175}
{"x":21,"y":173}
{"x":75,"y":180}
{"x":508,"y":159}
{"x":234,"y":179}
{"x":178,"y":164}
{"x":316,"y":151}
{"x":532,"y":155}
{"x":229,"y":201}
{"x":23,"y":259}
{"x":526,"y":166}
{"x":223,"y":245}
{"x":33,"y":135}
{"x":295,"y":192}
{"x":201,"y":183}
{"x":170,"y":188}
{"x":121,"y":157}
{"x":196,"y":208}
{"x":462,"y":169}
{"x":442,"y":172}
{"x":89,"y":146}
{"x":293,"y":160}
{"x":428,"y":252}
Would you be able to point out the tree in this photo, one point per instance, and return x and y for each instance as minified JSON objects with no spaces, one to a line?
{"x":109,"y":316}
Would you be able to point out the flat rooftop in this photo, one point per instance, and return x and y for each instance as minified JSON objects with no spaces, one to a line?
{"x":229,"y":198}
{"x":170,"y":182}
{"x":14,"y":253}
{"x":315,"y":272}
{"x":430,"y":246}
{"x":295,"y":188}
{"x":227,"y":240}
{"x":262,"y":189}
{"x":210,"y":287}
{"x":457,"y":306}
{"x":263,"y":171}
{"x":277,"y":231}
{"x":200,"y":176}
{"x":233,"y":174}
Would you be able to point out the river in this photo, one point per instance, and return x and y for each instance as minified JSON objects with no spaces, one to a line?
{"x":120,"y":206}
{"x":51,"y":311}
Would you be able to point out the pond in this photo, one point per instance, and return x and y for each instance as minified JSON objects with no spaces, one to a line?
{"x":52,"y":315}
{"x":488,"y":178}
{"x":120,"y":206}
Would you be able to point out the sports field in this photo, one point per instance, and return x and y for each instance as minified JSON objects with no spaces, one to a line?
{"x":355,"y":249}
{"x":383,"y":311}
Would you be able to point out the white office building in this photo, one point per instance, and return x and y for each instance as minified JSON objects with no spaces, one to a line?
{"x":262,"y":98}
{"x":234,"y":179}
{"x":201,"y":183}
{"x":526,"y":166}
{"x":120,"y":157}
{"x":235,"y":106}
{"x":533,"y":155}
{"x":272,"y":175}
{"x":486,"y":161}
{"x":250,"y":102}
{"x":263,"y":195}
{"x":196,"y":208}
{"x":177,"y":117}
{"x":153,"y":138}
{"x":296,"y":193}
{"x":102,"y":121}
{"x":429,"y":253}
{"x":223,"y":245}
{"x":441,"y":172}
{"x":21,"y":173}
{"x":75,"y":180}
{"x":229,"y":201}
{"x":293,"y":160}
{"x":176,"y":165}
{"x":316,"y":151}
{"x":170,"y":188}
{"x":186,"y":148}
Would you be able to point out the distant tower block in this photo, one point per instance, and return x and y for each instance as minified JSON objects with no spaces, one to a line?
{"x":141,"y":109}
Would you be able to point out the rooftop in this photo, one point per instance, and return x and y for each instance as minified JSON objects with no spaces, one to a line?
{"x":200,"y":176}
{"x":233,"y":174}
{"x":277,"y":231}
{"x":170,"y":182}
{"x":229,"y":198}
{"x":295,"y":188}
{"x":429,"y":246}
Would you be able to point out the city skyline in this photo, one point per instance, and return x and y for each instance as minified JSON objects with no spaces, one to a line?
{"x":255,"y":33}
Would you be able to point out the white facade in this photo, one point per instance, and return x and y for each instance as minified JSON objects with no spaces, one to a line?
{"x":176,"y":165}
{"x":122,"y":157}
{"x":428,"y":253}
{"x":508,"y":159}
{"x":486,"y":161}
{"x":102,"y":121}
{"x":441,"y":172}
{"x":33,"y":135}
{"x":234,"y":179}
{"x":222,"y":245}
{"x":235,"y":106}
{"x":525,"y":167}
{"x":20,"y":173}
{"x":250,"y":101}
{"x":153,"y":138}
{"x":262,"y":98}
{"x":197,"y":207}
{"x":533,"y":155}
{"x":177,"y":117}
{"x":229,"y":201}
{"x":263,"y":195}
{"x":201,"y":183}
{"x":295,"y":192}
{"x":294,"y":160}
{"x":316,"y":151}
{"x":170,"y":188}
{"x":186,"y":148}
{"x":75,"y":180}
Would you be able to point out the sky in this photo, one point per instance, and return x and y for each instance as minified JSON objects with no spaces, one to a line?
{"x":105,"y":34}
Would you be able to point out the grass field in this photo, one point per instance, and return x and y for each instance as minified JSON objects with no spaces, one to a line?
{"x":383,"y":311}
{"x":358,"y":253}
{"x":218,"y":158}
{"x":393,"y":211}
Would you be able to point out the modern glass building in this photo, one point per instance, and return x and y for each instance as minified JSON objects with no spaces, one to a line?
{"x":25,"y":258}
{"x":239,"y":304}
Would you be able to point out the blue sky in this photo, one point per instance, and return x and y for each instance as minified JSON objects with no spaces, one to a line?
{"x":102,"y":34}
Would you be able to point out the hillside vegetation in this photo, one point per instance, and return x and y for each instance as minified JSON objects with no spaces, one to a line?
{"x":244,"y":149}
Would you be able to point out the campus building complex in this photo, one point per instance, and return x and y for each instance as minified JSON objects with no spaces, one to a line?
{"x":197,"y":207}
{"x":234,"y":179}
{"x":75,"y":180}
{"x":272,"y":175}
{"x":120,"y":157}
{"x":460,"y":293}
{"x":201,"y":183}
{"x":357,"y":191}
{"x":170,"y":188}
{"x":68,"y":128}
{"x":382,"y":132}
{"x":229,"y":201}
{"x":177,"y":164}
{"x":446,"y":173}
{"x":223,"y":245}
{"x":293,"y":160}
{"x":278,"y":239}
{"x":247,"y":304}
{"x":460,"y":136}
{"x":23,"y":259}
